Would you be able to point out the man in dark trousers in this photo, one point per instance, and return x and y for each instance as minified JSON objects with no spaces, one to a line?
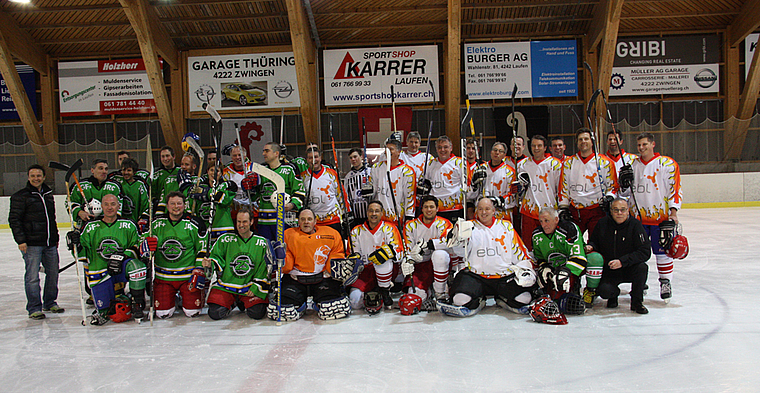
{"x":625,"y":246}
{"x":32,"y":221}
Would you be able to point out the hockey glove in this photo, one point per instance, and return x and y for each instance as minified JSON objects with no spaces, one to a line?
{"x":250,"y":181}
{"x":201,"y":196}
{"x":367,"y":191}
{"x":150,"y":244}
{"x":606,"y":202}
{"x":184,"y":179}
{"x":407,"y":268}
{"x":278,"y":251}
{"x":524,"y":179}
{"x":72,"y":240}
{"x":143,"y":225}
{"x":382,"y":255}
{"x":478,"y":176}
{"x":564,"y":214}
{"x":570,"y":230}
{"x":667,"y":232}
{"x":424,"y":186}
{"x":115,"y":264}
{"x":417,"y":253}
{"x":227,"y":149}
{"x":197,"y":281}
{"x":625,"y":178}
{"x":498,"y":201}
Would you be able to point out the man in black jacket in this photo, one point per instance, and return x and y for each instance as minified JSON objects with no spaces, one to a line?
{"x":32,"y":221}
{"x":625,"y":246}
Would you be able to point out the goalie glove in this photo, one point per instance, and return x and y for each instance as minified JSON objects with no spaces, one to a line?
{"x":184,"y":179}
{"x":418,"y":251}
{"x":462,"y":231}
{"x":424,"y":186}
{"x":478,"y":176}
{"x":625,"y":177}
{"x":382,"y":255}
{"x":115,"y":264}
{"x":523,"y":277}
{"x":251,"y":181}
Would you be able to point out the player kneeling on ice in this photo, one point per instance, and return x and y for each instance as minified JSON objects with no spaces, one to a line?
{"x":311,"y":251}
{"x":496,"y":264}
{"x":179,"y":238}
{"x":427,"y":264}
{"x":560,"y":259}
{"x":109,"y":251}
{"x":379,"y":243}
{"x":242,"y":262}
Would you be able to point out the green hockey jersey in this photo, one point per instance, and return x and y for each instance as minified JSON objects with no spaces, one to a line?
{"x":99,"y":240}
{"x":241,"y":264}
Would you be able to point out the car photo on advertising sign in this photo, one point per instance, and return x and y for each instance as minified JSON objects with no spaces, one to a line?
{"x":239,"y":94}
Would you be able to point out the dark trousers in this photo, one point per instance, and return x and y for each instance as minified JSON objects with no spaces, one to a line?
{"x":611,"y":279}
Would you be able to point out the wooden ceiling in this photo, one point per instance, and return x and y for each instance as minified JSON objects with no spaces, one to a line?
{"x":101,"y":28}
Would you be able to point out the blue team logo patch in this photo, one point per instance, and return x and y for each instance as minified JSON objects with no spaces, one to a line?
{"x":108,"y":247}
{"x":172,"y":249}
{"x":241,"y":265}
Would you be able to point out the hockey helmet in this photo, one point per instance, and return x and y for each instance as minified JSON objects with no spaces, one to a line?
{"x":122,"y":312}
{"x":544,"y":310}
{"x":679,"y":248}
{"x":95,"y":208}
{"x":410,"y":304}
{"x":189,"y":135}
{"x":373,"y":302}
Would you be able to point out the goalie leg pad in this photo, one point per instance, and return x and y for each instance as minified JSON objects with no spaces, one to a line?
{"x":334,"y":309}
{"x":571,"y":303}
{"x":459,"y":311}
{"x":136,"y":273}
{"x":288,"y":312}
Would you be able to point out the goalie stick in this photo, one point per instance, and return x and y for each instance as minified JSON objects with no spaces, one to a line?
{"x":70,"y":172}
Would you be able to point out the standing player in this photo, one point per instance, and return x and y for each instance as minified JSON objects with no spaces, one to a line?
{"x":264,"y":191}
{"x":95,"y":187}
{"x":236,"y":172}
{"x":164,"y":177}
{"x":428,"y":260}
{"x":443,"y":180}
{"x":615,"y":153}
{"x":241,"y":262}
{"x":134,"y":195}
{"x":402,"y":187}
{"x":324,"y":198}
{"x":499,"y":175}
{"x":117,"y":176}
{"x":544,"y":171}
{"x":180,"y":239}
{"x":110,"y":255}
{"x":558,"y":148}
{"x":413,"y":156}
{"x":216,"y":199}
{"x":379,"y":243}
{"x":310,"y":251}
{"x":517,"y":156}
{"x":657,"y":192}
{"x":357,"y":177}
{"x":579,"y":189}
{"x":497,"y":264}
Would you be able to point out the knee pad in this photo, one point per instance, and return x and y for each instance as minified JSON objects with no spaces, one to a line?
{"x":163,"y":314}
{"x":136,"y":273}
{"x":288,"y":312}
{"x":356,"y":299}
{"x":217,"y":312}
{"x":257,"y":311}
{"x":459,"y":311}
{"x":190,"y":313}
{"x":441,"y":260}
{"x":334,"y":309}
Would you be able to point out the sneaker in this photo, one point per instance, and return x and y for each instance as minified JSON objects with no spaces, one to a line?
{"x":639,"y":309}
{"x":589,"y":295}
{"x":666,"y":292}
{"x":54,"y":309}
{"x":37,"y":315}
{"x":612,"y":302}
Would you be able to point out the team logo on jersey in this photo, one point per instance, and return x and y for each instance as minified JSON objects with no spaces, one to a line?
{"x":488,"y":252}
{"x":241,"y":265}
{"x":127,"y":206}
{"x":108,"y":247}
{"x":172,"y":249}
{"x":320,"y":256}
{"x":205,"y":211}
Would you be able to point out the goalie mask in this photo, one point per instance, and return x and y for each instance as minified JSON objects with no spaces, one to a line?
{"x":95,"y":208}
{"x":122,"y":311}
{"x":544,"y":310}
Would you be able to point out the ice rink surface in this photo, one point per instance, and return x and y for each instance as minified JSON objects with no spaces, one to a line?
{"x":706,"y":340}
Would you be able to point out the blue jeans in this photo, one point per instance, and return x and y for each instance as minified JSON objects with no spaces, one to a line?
{"x":33,"y":258}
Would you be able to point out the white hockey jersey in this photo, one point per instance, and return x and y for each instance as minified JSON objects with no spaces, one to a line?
{"x":618,"y":159}
{"x":497,"y":183}
{"x":365,"y":240}
{"x":230,"y":173}
{"x":323,"y":199}
{"x":657,"y":187}
{"x":416,"y":161}
{"x":544,"y":182}
{"x":446,"y":178}
{"x":494,"y":248}
{"x":403,"y":186}
{"x":417,"y":230}
{"x":579,"y":181}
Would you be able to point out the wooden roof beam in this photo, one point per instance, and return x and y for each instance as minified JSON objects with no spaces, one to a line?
{"x":144,"y":18}
{"x":305,"y":56}
{"x":746,"y":22}
{"x":606,"y":12}
{"x":139,"y":13}
{"x":21,"y":44}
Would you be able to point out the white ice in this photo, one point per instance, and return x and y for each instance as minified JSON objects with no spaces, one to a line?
{"x":705,"y":340}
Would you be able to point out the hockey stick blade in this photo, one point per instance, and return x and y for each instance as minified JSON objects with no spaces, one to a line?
{"x":578,"y":118}
{"x":58,"y":165}
{"x":514,"y":91}
{"x":591,"y":72}
{"x":467,"y":117}
{"x":279,"y":182}
{"x":195,"y":146}
{"x":211,"y":111}
{"x":69,"y":169}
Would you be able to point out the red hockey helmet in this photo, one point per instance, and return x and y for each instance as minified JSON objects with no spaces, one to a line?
{"x":122,"y":312}
{"x":410,"y":304}
{"x":544,"y":310}
{"x":679,"y":249}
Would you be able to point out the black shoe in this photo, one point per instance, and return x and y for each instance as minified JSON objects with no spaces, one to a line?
{"x":639,"y":309}
{"x":612,"y":302}
{"x":137,"y":311}
{"x":386,"y":295}
{"x":90,"y":301}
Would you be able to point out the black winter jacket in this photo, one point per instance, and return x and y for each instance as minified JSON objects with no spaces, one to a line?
{"x":32,"y":216}
{"x":627,"y":242}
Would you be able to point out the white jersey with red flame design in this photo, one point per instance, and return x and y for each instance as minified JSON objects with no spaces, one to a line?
{"x":417,"y":230}
{"x":366,"y":240}
{"x":579,"y":182}
{"x":657,"y":187}
{"x":497,"y":183}
{"x":416,"y":161}
{"x":618,"y":159}
{"x":403,"y":187}
{"x":230,"y":173}
{"x":492,"y":249}
{"x":446,"y":178}
{"x":544,"y":182}
{"x":323,"y":199}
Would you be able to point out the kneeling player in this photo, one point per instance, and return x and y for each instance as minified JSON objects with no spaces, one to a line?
{"x":310,"y":251}
{"x":241,"y":261}
{"x":178,"y":263}
{"x":379,"y":243}
{"x":561,"y":260}
{"x":110,"y":253}
{"x":496,"y":264}
{"x":428,"y":259}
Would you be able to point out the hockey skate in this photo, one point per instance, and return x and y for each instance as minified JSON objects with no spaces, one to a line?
{"x":666,"y":292}
{"x":589,"y":295}
{"x":98,"y":318}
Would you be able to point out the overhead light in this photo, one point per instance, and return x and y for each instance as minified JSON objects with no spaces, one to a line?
{"x":21,"y":1}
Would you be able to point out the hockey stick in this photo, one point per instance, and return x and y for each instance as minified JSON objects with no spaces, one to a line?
{"x":393,"y":108}
{"x":69,"y":172}
{"x":399,"y":221}
{"x":282,"y":125}
{"x":570,"y":108}
{"x":427,"y":150}
{"x":199,"y":152}
{"x":342,"y":198}
{"x":246,"y":171}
